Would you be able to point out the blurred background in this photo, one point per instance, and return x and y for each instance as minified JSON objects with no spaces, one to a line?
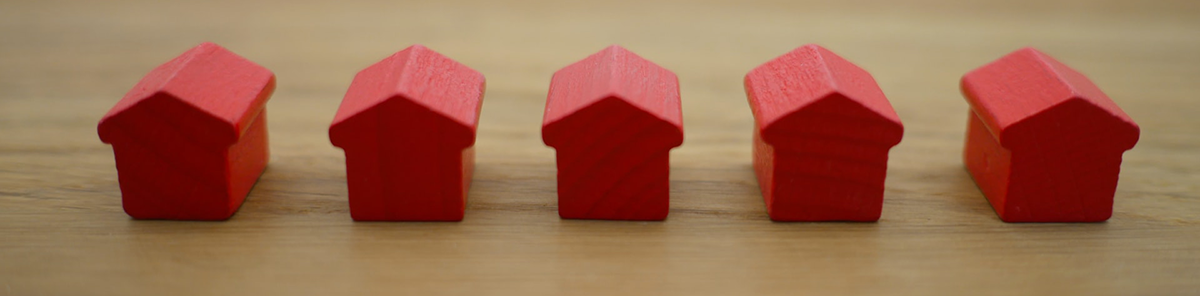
{"x":86,"y":54}
{"x":64,"y":63}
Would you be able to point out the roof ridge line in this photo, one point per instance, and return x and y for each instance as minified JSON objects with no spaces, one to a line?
{"x":404,"y":74}
{"x":833,"y":83}
{"x":204,"y":50}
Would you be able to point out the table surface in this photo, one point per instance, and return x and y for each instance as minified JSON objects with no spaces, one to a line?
{"x":63,"y":232}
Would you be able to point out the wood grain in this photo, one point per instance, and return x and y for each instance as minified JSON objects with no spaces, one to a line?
{"x":64,"y":63}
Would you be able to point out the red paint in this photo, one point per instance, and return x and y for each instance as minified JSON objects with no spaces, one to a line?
{"x":1044,"y":144}
{"x":190,"y":138}
{"x":407,"y":125}
{"x":613,"y":118}
{"x":822,"y":133}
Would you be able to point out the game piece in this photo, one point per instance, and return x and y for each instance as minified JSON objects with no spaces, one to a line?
{"x":1044,"y":144}
{"x":613,"y":118}
{"x":190,"y":138}
{"x":822,"y":133}
{"x":407,"y":125}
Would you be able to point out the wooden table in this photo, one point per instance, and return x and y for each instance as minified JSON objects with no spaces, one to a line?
{"x":64,"y":63}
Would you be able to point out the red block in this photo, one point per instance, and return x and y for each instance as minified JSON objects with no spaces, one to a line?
{"x":408,"y":125}
{"x":190,"y":138}
{"x":613,"y":118}
{"x":822,"y":133}
{"x":1044,"y":144}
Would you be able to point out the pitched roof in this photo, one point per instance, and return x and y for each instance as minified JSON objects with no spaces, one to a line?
{"x":614,"y":72}
{"x":807,"y":76}
{"x":1025,"y":84}
{"x":422,"y":76}
{"x":212,"y":80}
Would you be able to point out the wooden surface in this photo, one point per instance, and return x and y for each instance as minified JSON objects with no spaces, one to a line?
{"x":62,"y":230}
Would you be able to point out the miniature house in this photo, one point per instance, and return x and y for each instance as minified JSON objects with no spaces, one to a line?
{"x":613,"y":118}
{"x":190,"y":138}
{"x":822,"y":133}
{"x":1044,"y":144}
{"x":407,"y":125}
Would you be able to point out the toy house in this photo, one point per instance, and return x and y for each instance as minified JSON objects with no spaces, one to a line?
{"x":1044,"y":144}
{"x":613,"y":118}
{"x":822,"y":133}
{"x":407,"y":125}
{"x":190,"y":138}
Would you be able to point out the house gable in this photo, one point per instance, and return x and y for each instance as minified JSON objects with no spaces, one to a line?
{"x":223,"y":91}
{"x":612,"y":73}
{"x":812,"y":91}
{"x":421,"y":77}
{"x":366,"y":125}
{"x":168,"y":124}
{"x":1024,"y":95}
{"x":834,"y":117}
{"x":1073,"y":124}
{"x":607,"y":120}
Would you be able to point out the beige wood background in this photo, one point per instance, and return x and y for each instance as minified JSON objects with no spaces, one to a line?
{"x":64,"y":63}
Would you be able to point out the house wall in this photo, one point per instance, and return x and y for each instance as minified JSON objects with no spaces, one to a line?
{"x":1076,"y":187}
{"x":987,"y":162}
{"x":764,"y":166}
{"x":815,"y":180}
{"x":399,"y":166}
{"x":247,"y":158}
{"x":632,"y":187}
{"x":615,"y":164}
{"x":167,"y":170}
{"x":1031,"y":185}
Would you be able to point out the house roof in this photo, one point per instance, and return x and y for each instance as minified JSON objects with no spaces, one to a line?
{"x":421,"y":76}
{"x":208,"y":78}
{"x":813,"y":80}
{"x":614,"y":72}
{"x":1026,"y":84}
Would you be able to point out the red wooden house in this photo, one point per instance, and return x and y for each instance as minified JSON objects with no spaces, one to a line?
{"x":613,"y":118}
{"x":191,"y":137}
{"x":1044,"y":144}
{"x":822,"y":133}
{"x":408,"y":124}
